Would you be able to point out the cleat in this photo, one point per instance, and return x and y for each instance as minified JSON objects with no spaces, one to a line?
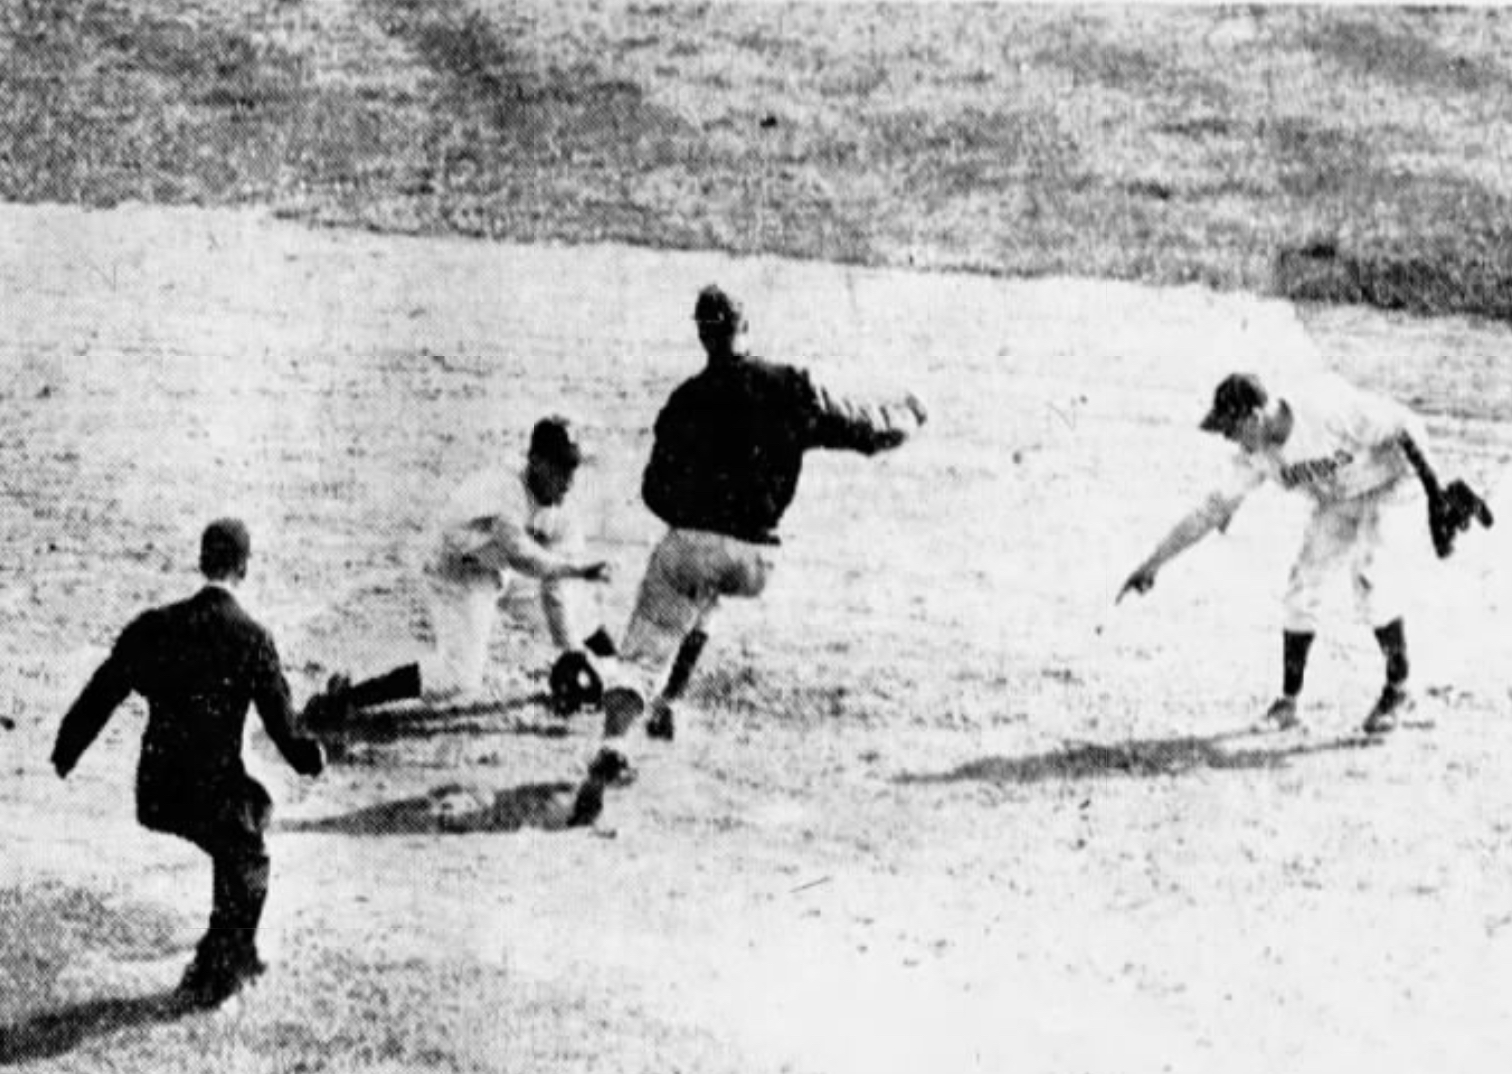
{"x":610,"y":768}
{"x":1394,"y":702}
{"x":1281,"y":716}
{"x":622,"y":705}
{"x":660,"y":724}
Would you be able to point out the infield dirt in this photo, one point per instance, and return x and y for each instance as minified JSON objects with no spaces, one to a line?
{"x":934,"y":805}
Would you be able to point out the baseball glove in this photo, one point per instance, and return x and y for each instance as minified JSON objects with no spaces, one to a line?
{"x":1451,"y":512}
{"x":574,"y":683}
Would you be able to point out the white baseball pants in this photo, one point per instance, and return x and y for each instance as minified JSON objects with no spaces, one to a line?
{"x":1371,"y":538}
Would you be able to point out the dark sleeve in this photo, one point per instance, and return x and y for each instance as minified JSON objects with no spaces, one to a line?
{"x":111,"y":683}
{"x":274,"y":702}
{"x":847,"y":424}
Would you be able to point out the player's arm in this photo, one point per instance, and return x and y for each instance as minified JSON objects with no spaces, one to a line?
{"x":1214,"y":513}
{"x":102,"y":695}
{"x":511,"y":548}
{"x":1451,"y":507}
{"x":1413,"y":446}
{"x":867,"y":426}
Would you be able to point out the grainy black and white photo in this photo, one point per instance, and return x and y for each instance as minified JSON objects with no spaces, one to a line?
{"x":822,"y":537}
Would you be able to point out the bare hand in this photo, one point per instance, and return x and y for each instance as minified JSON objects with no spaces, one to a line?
{"x":1141,"y":582}
{"x":598,"y":572}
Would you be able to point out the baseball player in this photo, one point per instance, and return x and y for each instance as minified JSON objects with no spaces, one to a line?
{"x":200,"y":663}
{"x":499,"y":526}
{"x":1354,"y":455}
{"x":725,"y":463}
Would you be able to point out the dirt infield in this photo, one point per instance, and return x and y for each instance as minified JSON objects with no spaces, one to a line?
{"x":935,"y":805}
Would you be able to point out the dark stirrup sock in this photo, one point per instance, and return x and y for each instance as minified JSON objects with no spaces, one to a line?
{"x":397,"y":685}
{"x":682,"y":667}
{"x":1294,"y":649}
{"x":1393,"y":641}
{"x":599,"y":643}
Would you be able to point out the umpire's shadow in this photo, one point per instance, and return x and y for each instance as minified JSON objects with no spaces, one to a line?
{"x":1140,"y":758}
{"x":54,"y":1033}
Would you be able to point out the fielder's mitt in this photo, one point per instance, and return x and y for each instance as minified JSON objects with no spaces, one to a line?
{"x":1451,"y":512}
{"x":574,"y":683}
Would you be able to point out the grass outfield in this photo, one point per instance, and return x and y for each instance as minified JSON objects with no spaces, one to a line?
{"x":1329,"y":154}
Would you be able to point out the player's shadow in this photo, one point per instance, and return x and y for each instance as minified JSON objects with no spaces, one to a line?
{"x":515,"y":716}
{"x":54,"y":1033}
{"x":454,"y":809}
{"x":1137,"y":758}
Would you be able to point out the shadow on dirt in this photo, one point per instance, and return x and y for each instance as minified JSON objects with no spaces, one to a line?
{"x":55,"y":1033}
{"x":387,"y":725}
{"x":1139,"y":758}
{"x":455,"y":808}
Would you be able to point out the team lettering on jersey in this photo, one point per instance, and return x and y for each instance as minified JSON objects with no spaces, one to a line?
{"x":1312,"y":471}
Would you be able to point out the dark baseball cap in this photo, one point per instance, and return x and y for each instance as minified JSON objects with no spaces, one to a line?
{"x":225,"y":547}
{"x":1237,"y":396}
{"x":553,"y":440}
{"x":716,"y":307}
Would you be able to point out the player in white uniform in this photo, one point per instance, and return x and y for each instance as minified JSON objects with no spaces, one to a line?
{"x":1354,"y":455}
{"x":500,"y":526}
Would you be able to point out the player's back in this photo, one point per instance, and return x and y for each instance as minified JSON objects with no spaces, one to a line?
{"x":729,"y":449}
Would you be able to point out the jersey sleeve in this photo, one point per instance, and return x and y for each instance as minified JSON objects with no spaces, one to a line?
{"x":1243,"y":475}
{"x":512,"y":547}
{"x":852,"y":424}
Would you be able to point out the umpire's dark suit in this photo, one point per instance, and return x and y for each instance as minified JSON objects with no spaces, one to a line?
{"x":199,"y":663}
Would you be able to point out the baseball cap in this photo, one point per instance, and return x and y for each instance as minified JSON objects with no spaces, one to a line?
{"x":553,"y":439}
{"x":224,"y":546}
{"x":1237,"y":396}
{"x":716,"y":307}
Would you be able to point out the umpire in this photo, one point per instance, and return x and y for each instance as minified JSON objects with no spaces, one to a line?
{"x":199,"y":663}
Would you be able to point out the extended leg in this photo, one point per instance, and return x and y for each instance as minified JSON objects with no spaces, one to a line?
{"x":1395,"y":698}
{"x":1295,"y":645}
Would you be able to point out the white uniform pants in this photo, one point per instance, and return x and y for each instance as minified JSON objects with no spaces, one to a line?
{"x":1369,"y":537}
{"x":463,"y":614}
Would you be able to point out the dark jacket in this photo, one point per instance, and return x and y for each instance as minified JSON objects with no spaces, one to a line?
{"x":729,"y":444}
{"x":199,"y":663}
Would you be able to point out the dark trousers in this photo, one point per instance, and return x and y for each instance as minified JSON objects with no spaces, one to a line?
{"x":241,"y":867}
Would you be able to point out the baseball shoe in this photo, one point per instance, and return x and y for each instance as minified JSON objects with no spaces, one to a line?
{"x":208,"y":984}
{"x":610,"y":768}
{"x":1394,"y":702}
{"x":331,"y":708}
{"x":660,"y":724}
{"x":622,"y":706}
{"x":1281,"y":716}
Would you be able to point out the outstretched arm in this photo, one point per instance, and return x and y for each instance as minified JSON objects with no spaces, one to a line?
{"x":864,"y":426}
{"x":86,"y":718}
{"x":510,"y":548}
{"x":1214,"y":514}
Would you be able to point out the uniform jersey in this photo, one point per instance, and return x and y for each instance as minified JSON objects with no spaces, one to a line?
{"x":729,"y":445}
{"x":1343,"y":444}
{"x":492,"y":524}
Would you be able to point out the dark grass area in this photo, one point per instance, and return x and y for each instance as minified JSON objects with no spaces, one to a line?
{"x":1330,"y":154}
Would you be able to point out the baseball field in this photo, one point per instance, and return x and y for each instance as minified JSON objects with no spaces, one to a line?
{"x":935,"y":803}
